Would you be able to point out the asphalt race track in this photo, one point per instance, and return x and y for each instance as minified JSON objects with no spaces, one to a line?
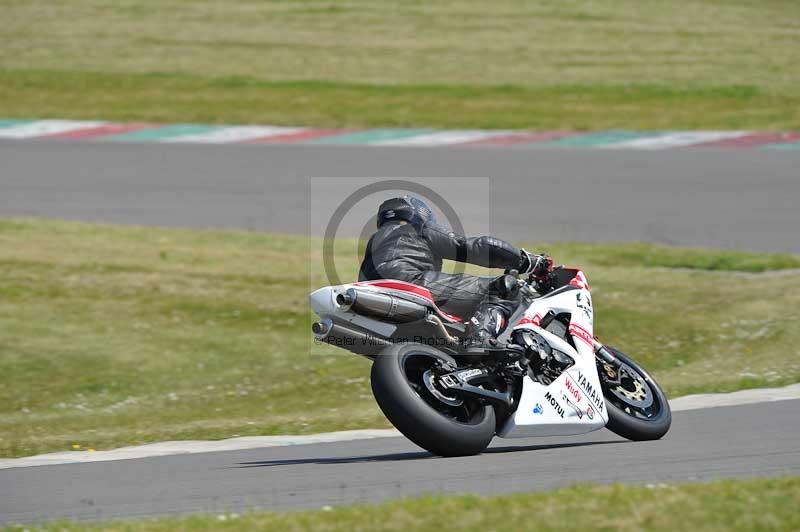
{"x":700,"y":197}
{"x":741,"y":441}
{"x":731,"y":198}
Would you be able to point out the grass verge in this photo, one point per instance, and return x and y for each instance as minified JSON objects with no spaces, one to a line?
{"x":114,"y":335}
{"x":458,"y":63}
{"x":173,"y":97}
{"x":746,"y":505}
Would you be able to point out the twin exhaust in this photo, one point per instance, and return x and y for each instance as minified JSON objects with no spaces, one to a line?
{"x":373,"y":305}
{"x":383,"y":307}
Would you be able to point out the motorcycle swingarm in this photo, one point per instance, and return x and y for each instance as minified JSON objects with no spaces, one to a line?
{"x":459,"y":383}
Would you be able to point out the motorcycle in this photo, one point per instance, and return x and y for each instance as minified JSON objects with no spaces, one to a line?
{"x":555,"y":378}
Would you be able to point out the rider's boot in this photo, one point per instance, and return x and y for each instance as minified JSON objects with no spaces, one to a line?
{"x":482,"y":329}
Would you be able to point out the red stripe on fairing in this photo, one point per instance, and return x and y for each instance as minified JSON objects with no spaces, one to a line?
{"x":400,"y":285}
{"x":536,"y":320}
{"x":581,"y":334}
{"x":581,"y":328}
{"x":298,"y":136}
{"x":417,"y":290}
{"x":99,"y":131}
{"x":520,"y":138}
{"x":753,"y":139}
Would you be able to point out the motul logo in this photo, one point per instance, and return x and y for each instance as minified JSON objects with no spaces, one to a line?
{"x":558,"y":408}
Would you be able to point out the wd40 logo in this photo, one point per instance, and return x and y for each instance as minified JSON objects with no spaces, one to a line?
{"x":555,"y":404}
{"x":537,"y":409}
{"x":573,"y":390}
{"x":594,"y":396}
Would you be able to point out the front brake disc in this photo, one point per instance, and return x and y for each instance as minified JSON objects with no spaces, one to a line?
{"x":632,"y":390}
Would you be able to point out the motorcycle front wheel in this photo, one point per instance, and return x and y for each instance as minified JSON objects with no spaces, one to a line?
{"x":637,"y":407}
{"x":404,"y":385}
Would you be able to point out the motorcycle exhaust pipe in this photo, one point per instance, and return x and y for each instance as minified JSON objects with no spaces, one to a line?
{"x":321,"y":328}
{"x":356,"y":341}
{"x":381,"y":306}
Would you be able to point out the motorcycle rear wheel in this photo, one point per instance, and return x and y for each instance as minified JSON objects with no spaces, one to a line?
{"x":442,"y":424}
{"x":637,"y":407}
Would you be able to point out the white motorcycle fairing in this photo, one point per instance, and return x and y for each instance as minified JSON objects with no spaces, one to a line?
{"x":573,"y":403}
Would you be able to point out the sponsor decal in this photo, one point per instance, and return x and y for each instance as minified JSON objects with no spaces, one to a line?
{"x":468,"y":374}
{"x":585,"y":304}
{"x":590,"y":412}
{"x":555,"y":404}
{"x":591,"y":393}
{"x":573,"y":406}
{"x":572,"y":388}
{"x":537,"y":409}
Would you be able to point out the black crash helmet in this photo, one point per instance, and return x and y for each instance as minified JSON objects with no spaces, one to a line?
{"x":412,"y":210}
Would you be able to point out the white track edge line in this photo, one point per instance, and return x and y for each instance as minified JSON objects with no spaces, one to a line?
{"x":168,"y":448}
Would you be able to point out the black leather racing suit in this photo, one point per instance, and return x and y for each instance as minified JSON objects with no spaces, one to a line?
{"x":401,"y":251}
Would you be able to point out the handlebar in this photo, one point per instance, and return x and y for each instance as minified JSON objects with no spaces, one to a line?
{"x":537,"y":286}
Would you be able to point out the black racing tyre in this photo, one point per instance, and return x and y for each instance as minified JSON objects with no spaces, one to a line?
{"x":637,"y":407}
{"x":443,"y":425}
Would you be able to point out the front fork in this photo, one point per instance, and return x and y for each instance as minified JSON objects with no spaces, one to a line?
{"x":610,"y":363}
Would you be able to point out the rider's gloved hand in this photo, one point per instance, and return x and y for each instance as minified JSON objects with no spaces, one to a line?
{"x":543,"y":266}
{"x":535,"y":265}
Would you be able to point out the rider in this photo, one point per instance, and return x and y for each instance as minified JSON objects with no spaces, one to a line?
{"x":409,"y":246}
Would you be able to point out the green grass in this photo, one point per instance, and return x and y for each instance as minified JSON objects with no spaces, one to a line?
{"x":506,"y":64}
{"x":656,"y":256}
{"x":114,"y":335}
{"x":240,"y":100}
{"x":746,"y":505}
